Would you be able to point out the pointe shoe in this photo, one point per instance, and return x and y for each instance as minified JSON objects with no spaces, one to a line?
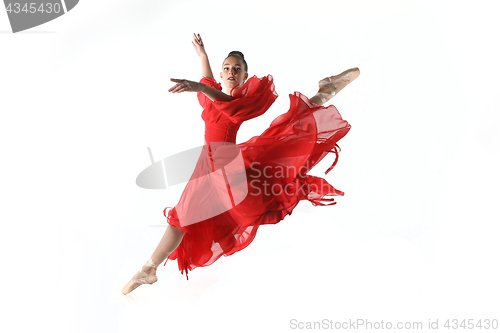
{"x":141,"y":278}
{"x":331,"y":86}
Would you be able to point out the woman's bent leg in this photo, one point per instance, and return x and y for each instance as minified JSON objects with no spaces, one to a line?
{"x":316,"y":100}
{"x":331,"y":86}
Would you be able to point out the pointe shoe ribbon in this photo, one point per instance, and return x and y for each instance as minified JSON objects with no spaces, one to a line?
{"x":143,"y":278}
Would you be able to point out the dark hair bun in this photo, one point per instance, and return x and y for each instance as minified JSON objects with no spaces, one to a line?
{"x":240,"y":55}
{"x":236,"y":54}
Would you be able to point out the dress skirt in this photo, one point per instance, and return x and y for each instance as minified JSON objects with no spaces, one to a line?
{"x":236,"y":188}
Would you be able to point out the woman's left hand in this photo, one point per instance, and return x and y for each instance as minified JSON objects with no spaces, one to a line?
{"x":185,"y":85}
{"x":199,"y":46}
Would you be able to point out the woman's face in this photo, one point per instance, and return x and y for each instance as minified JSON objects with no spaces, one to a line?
{"x":233,"y":73}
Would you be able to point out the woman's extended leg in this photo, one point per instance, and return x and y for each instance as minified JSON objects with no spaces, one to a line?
{"x":168,"y":243}
{"x":331,"y":86}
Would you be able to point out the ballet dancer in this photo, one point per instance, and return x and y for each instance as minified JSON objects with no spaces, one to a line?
{"x":197,"y":243}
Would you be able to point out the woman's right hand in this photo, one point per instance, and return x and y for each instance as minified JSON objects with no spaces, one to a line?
{"x":198,"y":45}
{"x":186,"y":85}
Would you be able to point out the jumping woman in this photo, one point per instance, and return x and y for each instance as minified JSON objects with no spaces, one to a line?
{"x":235,"y":188}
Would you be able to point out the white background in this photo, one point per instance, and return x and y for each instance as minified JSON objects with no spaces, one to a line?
{"x":414,"y":238}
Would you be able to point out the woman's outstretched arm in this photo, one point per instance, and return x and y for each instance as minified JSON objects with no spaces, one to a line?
{"x":212,"y":93}
{"x":206,"y":71}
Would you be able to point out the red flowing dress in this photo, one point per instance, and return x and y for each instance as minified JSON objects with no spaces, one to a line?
{"x":235,"y":188}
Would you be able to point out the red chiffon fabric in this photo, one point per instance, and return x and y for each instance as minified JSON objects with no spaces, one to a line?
{"x":221,"y":208}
